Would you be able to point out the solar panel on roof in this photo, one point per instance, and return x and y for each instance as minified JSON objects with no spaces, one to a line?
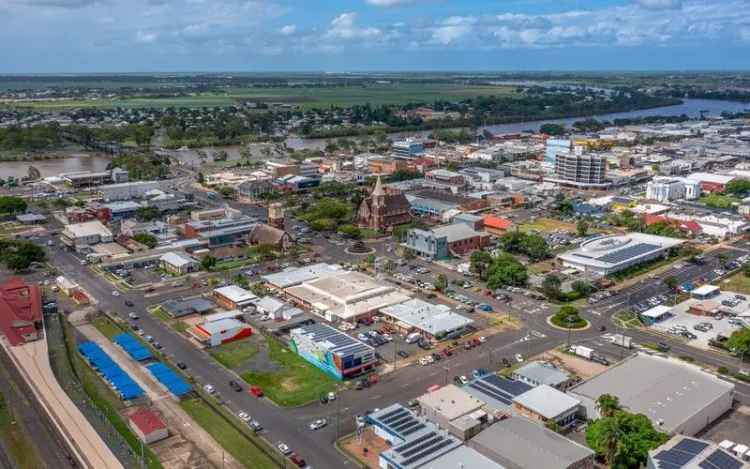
{"x":677,"y":458}
{"x":666,"y":465}
{"x":391,"y":414}
{"x":626,"y":253}
{"x":414,"y":442}
{"x":422,"y":446}
{"x":490,"y":392}
{"x":689,"y":446}
{"x":720,"y":460}
{"x":421,"y":455}
{"x":408,"y":431}
{"x":511,"y":386}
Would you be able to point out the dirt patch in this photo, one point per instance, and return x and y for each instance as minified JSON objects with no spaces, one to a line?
{"x":177,"y":453}
{"x":366,"y":449}
{"x":579,"y":366}
{"x":260,"y":362}
{"x":289,"y":384}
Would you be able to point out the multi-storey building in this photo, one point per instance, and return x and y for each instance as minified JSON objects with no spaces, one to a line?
{"x":581,"y":170}
{"x":665,"y":189}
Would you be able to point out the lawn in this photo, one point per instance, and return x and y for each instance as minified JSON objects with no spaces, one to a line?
{"x":227,"y":435}
{"x":548,"y":225}
{"x":235,"y":354}
{"x":296,"y":383}
{"x":738,"y":283}
{"x":16,"y":440}
{"x":106,"y":326}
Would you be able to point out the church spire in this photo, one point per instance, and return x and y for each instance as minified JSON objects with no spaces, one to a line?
{"x":378,"y":188}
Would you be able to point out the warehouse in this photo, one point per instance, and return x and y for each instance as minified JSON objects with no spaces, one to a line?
{"x":609,"y":254}
{"x":81,"y":236}
{"x":220,"y":332}
{"x":676,"y":396}
{"x":292,"y":277}
{"x":432,"y":321}
{"x":334,"y":352}
{"x":234,"y":297}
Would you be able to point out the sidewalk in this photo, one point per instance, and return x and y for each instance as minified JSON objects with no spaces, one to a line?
{"x":177,"y":420}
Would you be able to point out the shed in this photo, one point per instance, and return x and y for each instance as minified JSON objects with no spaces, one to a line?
{"x":148,"y":426}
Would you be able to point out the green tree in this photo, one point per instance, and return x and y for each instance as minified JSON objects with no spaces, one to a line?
{"x":506,"y":270}
{"x":552,"y":129}
{"x":607,"y":405}
{"x":582,"y":227}
{"x":208,"y":263}
{"x":441,"y":283}
{"x":480,"y":262}
{"x":623,"y":440}
{"x":723,"y":258}
{"x":671,"y":282}
{"x":551,"y":286}
{"x":350,"y":231}
{"x":146,"y":239}
{"x":147,"y":213}
{"x":12,"y":205}
{"x":582,"y":288}
{"x":738,"y":187}
{"x":565,"y":208}
{"x":739,"y":342}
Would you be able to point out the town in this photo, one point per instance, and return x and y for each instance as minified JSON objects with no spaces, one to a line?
{"x":517,"y":300}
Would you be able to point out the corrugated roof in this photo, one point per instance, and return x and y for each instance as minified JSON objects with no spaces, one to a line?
{"x":547,"y":401}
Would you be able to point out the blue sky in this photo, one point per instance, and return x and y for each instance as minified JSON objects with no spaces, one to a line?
{"x":38,"y":36}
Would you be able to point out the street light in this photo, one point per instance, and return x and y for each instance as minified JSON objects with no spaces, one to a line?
{"x":569,"y":320}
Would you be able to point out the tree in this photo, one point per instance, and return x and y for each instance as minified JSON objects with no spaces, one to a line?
{"x":624,"y":439}
{"x":582,"y":288}
{"x":607,"y":405}
{"x":146,"y":239}
{"x":208,"y":263}
{"x":147,"y":213}
{"x":12,"y":205}
{"x":552,"y":129}
{"x":739,"y":342}
{"x":220,"y":155}
{"x":582,"y":228}
{"x":551,"y":286}
{"x":738,"y":187}
{"x":480,"y":262}
{"x":723,"y":258}
{"x":350,"y":231}
{"x":441,"y":283}
{"x":18,"y":255}
{"x":671,"y":282}
{"x":565,"y":208}
{"x":506,"y":270}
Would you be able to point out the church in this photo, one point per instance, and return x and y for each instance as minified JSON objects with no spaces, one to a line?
{"x":384,"y":209}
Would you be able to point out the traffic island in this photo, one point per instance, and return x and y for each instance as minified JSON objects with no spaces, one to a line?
{"x":568,"y":318}
{"x":359,"y":248}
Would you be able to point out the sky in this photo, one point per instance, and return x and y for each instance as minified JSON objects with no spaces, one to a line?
{"x":86,"y":36}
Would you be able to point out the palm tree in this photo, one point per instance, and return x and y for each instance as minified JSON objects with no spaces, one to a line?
{"x":611,"y":440}
{"x":607,"y":405}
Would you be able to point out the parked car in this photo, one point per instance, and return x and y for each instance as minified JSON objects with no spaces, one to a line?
{"x":403,"y":353}
{"x":157,"y":345}
{"x":235,"y":386}
{"x":133,"y":316}
{"x":318,"y":424}
{"x":519,"y":358}
{"x":297,"y":460}
{"x":128,"y":303}
{"x":242,"y":415}
{"x":284,"y":449}
{"x":256,"y":391}
{"x":181,"y":365}
{"x":209,"y":388}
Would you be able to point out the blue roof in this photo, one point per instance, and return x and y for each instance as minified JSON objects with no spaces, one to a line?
{"x":120,"y":381}
{"x":132,"y":346}
{"x":166,"y":376}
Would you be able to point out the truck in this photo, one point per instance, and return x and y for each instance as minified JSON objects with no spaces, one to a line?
{"x":622,"y":341}
{"x":582,"y":351}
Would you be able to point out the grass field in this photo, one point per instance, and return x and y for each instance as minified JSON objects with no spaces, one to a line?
{"x":343,"y":96}
{"x":548,"y":225}
{"x":226,"y":435}
{"x":16,"y":440}
{"x":738,"y":283}
{"x":234,"y":354}
{"x":296,"y":383}
{"x":106,"y":326}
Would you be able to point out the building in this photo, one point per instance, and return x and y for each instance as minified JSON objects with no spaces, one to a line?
{"x":268,"y":235}
{"x":705,"y":292}
{"x":395,"y":423}
{"x":20,"y":311}
{"x":665,"y":189}
{"x":208,"y":214}
{"x":277,"y":309}
{"x":222,"y":232}
{"x":496,"y":392}
{"x":345,"y":296}
{"x":497,"y":226}
{"x":383,"y":210}
{"x":547,"y":404}
{"x":423,"y":448}
{"x":334,"y":352}
{"x":81,"y":236}
{"x":516,"y":442}
{"x":606,"y":255}
{"x":234,"y":297}
{"x":587,"y":170}
{"x":430,"y":320}
{"x":656,"y":314}
{"x":556,"y":146}
{"x":387,"y":166}
{"x":276,"y":215}
{"x":220,"y":332}
{"x":128,"y":190}
{"x":682,"y":452}
{"x":180,"y":308}
{"x":445,"y":241}
{"x":676,"y":396}
{"x":710,"y":182}
{"x":89,"y":178}
{"x":148,"y":426}
{"x":296,"y":276}
{"x":454,"y":410}
{"x":539,"y":373}
{"x":178,"y":263}
{"x":444,"y":180}
{"x":475,"y":222}
{"x":408,"y":148}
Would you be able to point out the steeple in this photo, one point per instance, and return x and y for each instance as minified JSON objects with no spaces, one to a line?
{"x":378,"y":191}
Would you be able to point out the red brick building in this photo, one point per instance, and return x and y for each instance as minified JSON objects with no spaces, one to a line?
{"x":20,"y":311}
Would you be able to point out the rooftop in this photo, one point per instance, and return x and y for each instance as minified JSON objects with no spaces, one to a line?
{"x":431,"y":318}
{"x":455,"y":232}
{"x":498,"y":223}
{"x":296,"y":276}
{"x":235,"y":294}
{"x":542,"y":373}
{"x":20,"y":308}
{"x":547,"y":401}
{"x":331,"y":339}
{"x":682,"y":452}
{"x":666,"y":391}
{"x":610,"y":251}
{"x":89,"y":228}
{"x":496,"y":391}
{"x":147,"y":421}
{"x":463,"y":457}
{"x":177,"y":259}
{"x":216,"y":327}
{"x":705,"y":290}
{"x":451,"y":401}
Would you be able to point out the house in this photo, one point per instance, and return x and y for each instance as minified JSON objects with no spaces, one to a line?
{"x":178,"y":263}
{"x":495,"y":225}
{"x":220,"y":332}
{"x":20,"y":311}
{"x":271,"y":236}
{"x":148,"y":426}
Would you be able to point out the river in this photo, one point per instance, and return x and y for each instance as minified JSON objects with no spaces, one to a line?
{"x":90,"y":162}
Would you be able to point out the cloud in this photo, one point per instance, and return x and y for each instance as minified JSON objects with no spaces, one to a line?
{"x":55,"y":3}
{"x":345,"y":27}
{"x":659,"y":4}
{"x":389,"y":3}
{"x":143,"y":37}
{"x":288,"y":29}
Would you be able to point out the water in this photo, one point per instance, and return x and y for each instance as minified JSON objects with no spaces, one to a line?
{"x":74,"y":162}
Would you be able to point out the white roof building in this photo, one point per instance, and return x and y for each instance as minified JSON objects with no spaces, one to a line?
{"x":236,"y":295}
{"x":429,"y":318}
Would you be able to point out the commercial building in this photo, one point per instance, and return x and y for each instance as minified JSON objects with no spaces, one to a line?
{"x":656,"y":314}
{"x":345,"y":296}
{"x":537,"y":373}
{"x":148,"y":426}
{"x":587,"y":170}
{"x":497,"y":226}
{"x":676,"y":396}
{"x":609,"y":254}
{"x":547,"y":404}
{"x":180,"y":308}
{"x":455,"y":410}
{"x":431,"y":320}
{"x":682,"y":452}
{"x":423,"y":448}
{"x":710,"y":182}
{"x":20,"y":311}
{"x":555,"y":147}
{"x":408,"y":148}
{"x":220,"y":332}
{"x":298,"y":275}
{"x":665,"y":189}
{"x":128,"y":190}
{"x":81,"y":236}
{"x":516,"y":442}
{"x":496,"y":391}
{"x":277,"y":309}
{"x":334,"y":352}
{"x":178,"y":263}
{"x":444,"y":180}
{"x":89,"y":178}
{"x":234,"y":297}
{"x":445,"y":241}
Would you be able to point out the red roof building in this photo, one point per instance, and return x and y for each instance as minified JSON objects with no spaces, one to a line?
{"x":496,"y":225}
{"x":686,"y":226}
{"x":20,"y":311}
{"x":148,"y":425}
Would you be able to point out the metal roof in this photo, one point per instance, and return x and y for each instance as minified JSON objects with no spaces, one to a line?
{"x":431,"y":318}
{"x":547,"y":401}
{"x":333,"y":340}
{"x":455,"y":232}
{"x":398,"y":421}
{"x":542,"y":373}
{"x":682,"y":452}
{"x":496,"y":391}
{"x":296,"y":276}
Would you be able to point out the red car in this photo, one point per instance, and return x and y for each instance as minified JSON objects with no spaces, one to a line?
{"x":256,"y":391}
{"x":297,"y":460}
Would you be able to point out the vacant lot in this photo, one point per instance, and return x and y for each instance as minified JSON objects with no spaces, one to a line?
{"x":738,"y":283}
{"x":292,"y":381}
{"x":548,"y":225}
{"x":235,"y":355}
{"x":343,"y":96}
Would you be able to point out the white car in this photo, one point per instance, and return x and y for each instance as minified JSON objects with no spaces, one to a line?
{"x":132,"y":316}
{"x":209,"y":389}
{"x":115,"y":293}
{"x":244,"y":416}
{"x":318,"y":424}
{"x":464,"y":379}
{"x":284,"y":449}
{"x":519,"y":358}
{"x":331,"y":396}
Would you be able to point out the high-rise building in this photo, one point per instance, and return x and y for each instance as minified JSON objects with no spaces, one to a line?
{"x":556,"y":146}
{"x":408,"y":148}
{"x":665,"y":189}
{"x":582,"y":170}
